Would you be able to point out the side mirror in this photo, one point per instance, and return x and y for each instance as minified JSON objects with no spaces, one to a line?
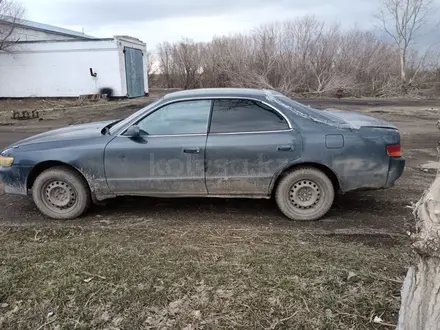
{"x":133,"y":131}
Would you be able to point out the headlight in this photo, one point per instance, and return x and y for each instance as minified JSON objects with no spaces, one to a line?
{"x":6,"y":161}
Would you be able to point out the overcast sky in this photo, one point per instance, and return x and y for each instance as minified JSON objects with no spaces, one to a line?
{"x":154,"y":21}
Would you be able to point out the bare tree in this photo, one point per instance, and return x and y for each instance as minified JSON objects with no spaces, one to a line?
{"x":322,"y":60}
{"x":151,"y":65}
{"x":402,"y":20}
{"x":186,"y":55}
{"x":165,"y":61}
{"x":10,"y":15}
{"x":302,"y":56}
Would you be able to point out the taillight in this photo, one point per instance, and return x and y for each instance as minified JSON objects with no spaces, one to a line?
{"x":394,"y":151}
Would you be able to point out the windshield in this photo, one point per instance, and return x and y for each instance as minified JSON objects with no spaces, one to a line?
{"x":125,"y":121}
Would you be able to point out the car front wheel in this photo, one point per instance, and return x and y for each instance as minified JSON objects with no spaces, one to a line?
{"x":305,"y":194}
{"x":61,"y":193}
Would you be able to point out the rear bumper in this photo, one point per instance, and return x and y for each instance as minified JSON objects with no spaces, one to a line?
{"x":14,"y":179}
{"x":397,"y":166}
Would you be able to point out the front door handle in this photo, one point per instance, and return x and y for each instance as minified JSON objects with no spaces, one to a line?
{"x":285,"y":148}
{"x":191,"y":150}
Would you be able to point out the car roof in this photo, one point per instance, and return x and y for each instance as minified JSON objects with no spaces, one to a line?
{"x":219,"y":92}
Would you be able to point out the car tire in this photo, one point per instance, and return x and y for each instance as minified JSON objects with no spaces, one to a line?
{"x":61,"y":193}
{"x":305,"y":194}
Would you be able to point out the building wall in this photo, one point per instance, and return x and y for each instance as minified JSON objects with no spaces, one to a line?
{"x":24,"y":34}
{"x":61,"y":69}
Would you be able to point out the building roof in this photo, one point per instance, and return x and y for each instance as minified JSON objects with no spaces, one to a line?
{"x":45,"y":27}
{"x":218,"y":92}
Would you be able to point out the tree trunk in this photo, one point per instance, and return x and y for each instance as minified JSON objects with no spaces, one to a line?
{"x":420,"y":309}
{"x":402,"y":55}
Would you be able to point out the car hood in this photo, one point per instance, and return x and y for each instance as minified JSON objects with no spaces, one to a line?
{"x":357,"y":120}
{"x":82,"y":131}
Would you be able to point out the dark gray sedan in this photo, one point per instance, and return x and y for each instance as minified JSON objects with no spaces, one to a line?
{"x":208,"y":143}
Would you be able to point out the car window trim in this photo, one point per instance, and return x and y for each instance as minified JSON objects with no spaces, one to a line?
{"x":212,"y":99}
{"x":253,"y":132}
{"x":175,"y":135}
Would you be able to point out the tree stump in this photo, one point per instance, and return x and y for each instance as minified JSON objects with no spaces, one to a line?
{"x":420,"y":308}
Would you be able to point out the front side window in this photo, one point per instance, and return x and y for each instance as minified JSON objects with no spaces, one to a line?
{"x":231,"y":116}
{"x":187,"y":117}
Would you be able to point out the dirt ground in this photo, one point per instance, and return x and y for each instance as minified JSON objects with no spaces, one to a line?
{"x":144,"y":263}
{"x":363,"y":212}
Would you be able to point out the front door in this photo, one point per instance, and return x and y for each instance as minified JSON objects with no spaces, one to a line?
{"x":167,"y":159}
{"x":248,"y":143}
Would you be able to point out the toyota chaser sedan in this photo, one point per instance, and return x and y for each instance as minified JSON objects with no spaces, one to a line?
{"x":226,"y":143}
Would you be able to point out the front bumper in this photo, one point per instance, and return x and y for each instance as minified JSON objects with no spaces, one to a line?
{"x":397,"y":166}
{"x":14,"y":179}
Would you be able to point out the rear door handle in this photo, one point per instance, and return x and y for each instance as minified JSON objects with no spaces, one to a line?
{"x":285,"y":148}
{"x":191,"y":150}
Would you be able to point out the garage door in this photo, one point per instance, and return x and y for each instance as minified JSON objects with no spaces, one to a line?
{"x":134,"y":69}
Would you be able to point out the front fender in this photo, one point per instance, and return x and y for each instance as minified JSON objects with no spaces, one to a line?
{"x":86,"y":157}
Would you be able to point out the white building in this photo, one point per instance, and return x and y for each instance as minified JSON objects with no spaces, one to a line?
{"x":49,"y":61}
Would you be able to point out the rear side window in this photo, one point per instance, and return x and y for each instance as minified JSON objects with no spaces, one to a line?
{"x":231,"y":116}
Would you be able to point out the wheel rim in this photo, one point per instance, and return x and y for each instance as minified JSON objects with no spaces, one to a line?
{"x":305,"y":195}
{"x":59,"y":196}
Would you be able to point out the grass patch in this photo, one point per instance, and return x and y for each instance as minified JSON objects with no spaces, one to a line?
{"x":169,"y":278}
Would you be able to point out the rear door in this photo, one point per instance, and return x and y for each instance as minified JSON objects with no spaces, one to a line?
{"x":248,"y":143}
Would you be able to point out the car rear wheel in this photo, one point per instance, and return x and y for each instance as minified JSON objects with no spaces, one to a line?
{"x":61,"y":193}
{"x":305,"y":194}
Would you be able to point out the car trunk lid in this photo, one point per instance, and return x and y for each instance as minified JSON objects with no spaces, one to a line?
{"x":357,"y":120}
